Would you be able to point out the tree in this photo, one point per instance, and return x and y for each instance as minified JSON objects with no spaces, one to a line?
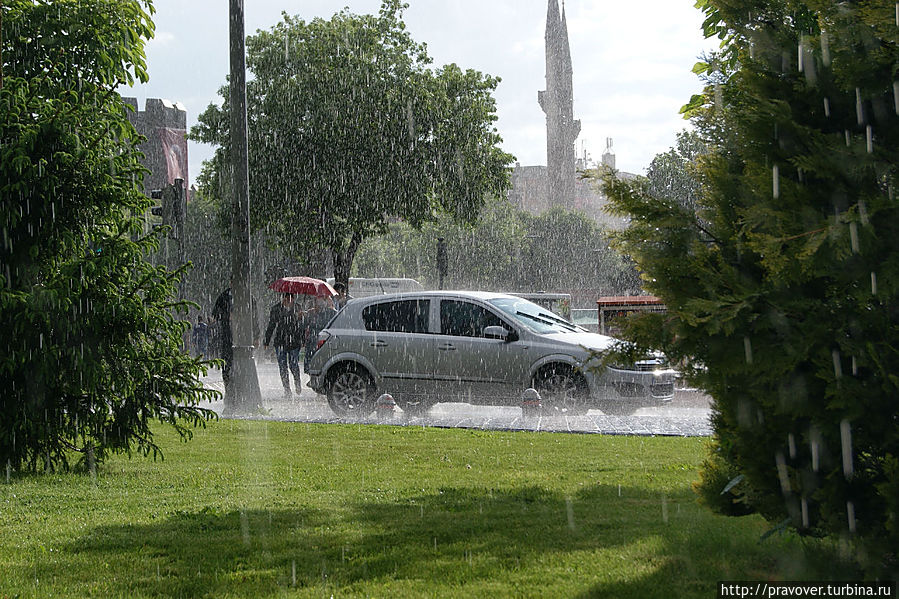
{"x":93,"y":346}
{"x":670,"y":174}
{"x":506,"y":249}
{"x":349,"y":127}
{"x":784,"y":286}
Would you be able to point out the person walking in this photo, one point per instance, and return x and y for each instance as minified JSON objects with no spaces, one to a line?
{"x":285,"y":331}
{"x":221,"y":314}
{"x":201,"y":337}
{"x":316,"y":319}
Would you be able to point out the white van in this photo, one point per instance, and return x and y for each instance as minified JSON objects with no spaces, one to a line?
{"x":362,"y":287}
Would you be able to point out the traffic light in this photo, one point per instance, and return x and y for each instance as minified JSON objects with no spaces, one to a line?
{"x":160,"y":210}
{"x":171,"y":207}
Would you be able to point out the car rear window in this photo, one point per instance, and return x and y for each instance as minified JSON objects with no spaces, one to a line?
{"x":404,"y":316}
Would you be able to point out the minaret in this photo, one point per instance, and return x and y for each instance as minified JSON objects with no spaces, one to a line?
{"x":558,"y":103}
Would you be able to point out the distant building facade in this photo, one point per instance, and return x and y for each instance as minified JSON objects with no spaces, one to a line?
{"x":164,"y":125}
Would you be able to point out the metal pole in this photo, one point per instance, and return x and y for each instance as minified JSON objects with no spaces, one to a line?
{"x":441,"y":261}
{"x":243,"y":396}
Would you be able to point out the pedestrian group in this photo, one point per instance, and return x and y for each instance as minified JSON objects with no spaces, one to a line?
{"x":294,"y":324}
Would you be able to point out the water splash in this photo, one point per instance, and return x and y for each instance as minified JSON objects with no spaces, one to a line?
{"x":859,"y":113}
{"x":244,"y":528}
{"x":775,"y":181}
{"x":815,"y":445}
{"x":569,"y":511}
{"x":846,"y":443}
{"x":782,"y":474}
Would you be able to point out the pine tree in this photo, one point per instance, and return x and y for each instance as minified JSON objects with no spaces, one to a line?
{"x":782,"y":286}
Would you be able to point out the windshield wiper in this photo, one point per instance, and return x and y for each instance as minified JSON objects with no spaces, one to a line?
{"x":550,"y":320}
{"x":532,"y":317}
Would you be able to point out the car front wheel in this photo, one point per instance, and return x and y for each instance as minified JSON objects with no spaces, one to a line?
{"x":562,"y":388}
{"x":351,"y":392}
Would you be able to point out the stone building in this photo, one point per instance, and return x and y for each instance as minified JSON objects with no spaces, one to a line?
{"x":164,"y":125}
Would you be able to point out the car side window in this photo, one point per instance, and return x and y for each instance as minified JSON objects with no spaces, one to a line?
{"x":404,"y":316}
{"x":465,"y":319}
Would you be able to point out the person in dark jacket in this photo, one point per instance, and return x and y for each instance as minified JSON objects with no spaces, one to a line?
{"x":221,"y":314}
{"x":285,"y":331}
{"x":200,"y":337}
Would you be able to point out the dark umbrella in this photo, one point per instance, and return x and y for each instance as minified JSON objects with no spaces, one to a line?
{"x":303,"y":286}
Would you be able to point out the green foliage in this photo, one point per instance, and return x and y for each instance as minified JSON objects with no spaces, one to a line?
{"x":506,"y":249}
{"x":718,"y":486}
{"x":671,"y":175}
{"x":782,"y":284}
{"x":92,"y":344}
{"x":207,"y":249}
{"x":349,"y":127}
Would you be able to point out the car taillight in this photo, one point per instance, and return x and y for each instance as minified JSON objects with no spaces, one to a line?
{"x":322,"y":337}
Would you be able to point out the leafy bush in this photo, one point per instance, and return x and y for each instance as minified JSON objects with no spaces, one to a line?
{"x":718,"y":486}
{"x":93,"y":343}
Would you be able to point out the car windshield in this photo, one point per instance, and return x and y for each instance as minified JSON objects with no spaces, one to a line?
{"x":538,"y":319}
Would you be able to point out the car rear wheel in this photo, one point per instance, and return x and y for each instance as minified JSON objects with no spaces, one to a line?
{"x":562,"y":388}
{"x":351,"y":391}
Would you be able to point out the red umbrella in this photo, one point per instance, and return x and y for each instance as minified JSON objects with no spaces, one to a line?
{"x":303,"y":286}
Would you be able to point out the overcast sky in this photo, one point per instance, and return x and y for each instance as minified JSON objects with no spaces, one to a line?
{"x":631,"y":61}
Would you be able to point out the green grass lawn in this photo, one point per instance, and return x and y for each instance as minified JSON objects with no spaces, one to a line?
{"x":271,"y":509}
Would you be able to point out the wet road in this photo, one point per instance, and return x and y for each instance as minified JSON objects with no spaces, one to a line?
{"x":686,"y":415}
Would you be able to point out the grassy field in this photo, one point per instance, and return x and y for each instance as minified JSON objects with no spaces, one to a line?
{"x":272,"y":509}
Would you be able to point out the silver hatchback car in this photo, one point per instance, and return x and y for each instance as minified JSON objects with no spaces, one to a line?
{"x":475,"y":347}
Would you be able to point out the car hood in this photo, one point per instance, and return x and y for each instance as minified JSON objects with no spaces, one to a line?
{"x":589,"y":340}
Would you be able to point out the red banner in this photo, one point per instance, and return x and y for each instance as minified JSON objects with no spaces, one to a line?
{"x":174,"y":147}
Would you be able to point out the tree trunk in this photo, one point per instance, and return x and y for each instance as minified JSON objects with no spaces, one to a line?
{"x":342,"y":259}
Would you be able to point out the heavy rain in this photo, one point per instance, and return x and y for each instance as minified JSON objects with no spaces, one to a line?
{"x":397,"y":299}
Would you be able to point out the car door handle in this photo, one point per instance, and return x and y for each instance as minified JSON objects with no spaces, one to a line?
{"x":378,"y":344}
{"x":447,"y":347}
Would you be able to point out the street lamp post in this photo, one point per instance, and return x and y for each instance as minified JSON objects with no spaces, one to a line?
{"x":242,"y":395}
